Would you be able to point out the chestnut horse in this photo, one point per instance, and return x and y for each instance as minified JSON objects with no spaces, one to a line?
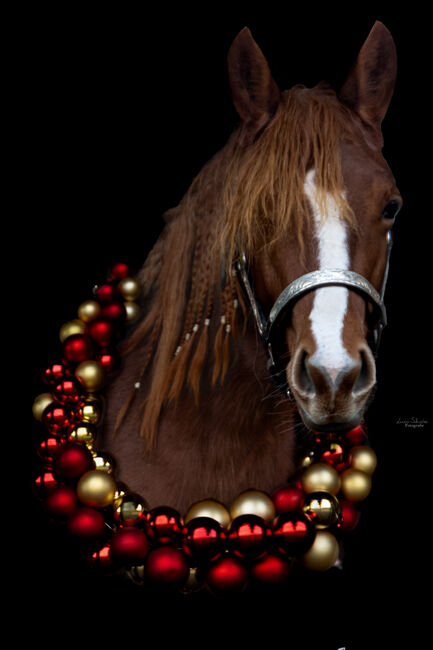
{"x":301,"y":186}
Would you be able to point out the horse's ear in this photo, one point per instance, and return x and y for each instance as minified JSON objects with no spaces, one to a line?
{"x":369,"y":87}
{"x":255,"y":94}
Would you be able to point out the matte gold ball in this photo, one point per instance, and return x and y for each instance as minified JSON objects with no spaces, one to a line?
{"x":355,"y":485}
{"x":320,"y":476}
{"x":323,"y":508}
{"x":75,"y":326}
{"x":363,"y":458}
{"x":323,"y":553}
{"x":129,"y":288}
{"x":91,"y":411}
{"x":132,"y":311}
{"x":91,"y":374}
{"x":209,"y":508}
{"x":89,"y":310}
{"x":96,"y":489}
{"x":40,"y":404}
{"x":253,"y":502}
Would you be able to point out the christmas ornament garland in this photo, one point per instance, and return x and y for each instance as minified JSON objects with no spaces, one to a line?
{"x":259,"y":539}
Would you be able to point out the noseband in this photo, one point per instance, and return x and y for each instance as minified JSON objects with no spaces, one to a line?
{"x":305,"y":284}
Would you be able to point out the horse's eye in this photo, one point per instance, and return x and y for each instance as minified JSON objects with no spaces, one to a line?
{"x":391,"y":209}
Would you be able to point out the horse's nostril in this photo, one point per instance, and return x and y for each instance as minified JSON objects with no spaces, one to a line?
{"x":303,"y":377}
{"x":367,"y":372}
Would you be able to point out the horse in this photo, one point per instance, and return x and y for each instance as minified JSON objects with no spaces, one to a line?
{"x":263,"y":293}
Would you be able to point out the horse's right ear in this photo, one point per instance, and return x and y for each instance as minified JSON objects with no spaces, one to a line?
{"x":255,"y":94}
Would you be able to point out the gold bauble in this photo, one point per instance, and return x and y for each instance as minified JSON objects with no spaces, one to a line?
{"x":253,"y":502}
{"x":209,"y":508}
{"x":137,"y":574}
{"x":121,"y":490}
{"x":91,"y":374}
{"x":194,"y":582}
{"x":129,"y":288}
{"x":96,"y":489}
{"x":91,"y":411}
{"x":323,"y":553}
{"x":320,"y":476}
{"x":75,"y":326}
{"x":89,"y":310}
{"x":40,"y":404}
{"x":104,"y":462}
{"x":84,"y":432}
{"x":363,"y":458}
{"x":132,"y":311}
{"x":355,"y":485}
{"x":323,"y":509}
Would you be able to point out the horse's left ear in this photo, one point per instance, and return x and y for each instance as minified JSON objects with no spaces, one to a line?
{"x":256,"y":95}
{"x":370,"y":84}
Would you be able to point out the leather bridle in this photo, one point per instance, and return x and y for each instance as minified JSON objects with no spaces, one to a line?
{"x":267,"y":327}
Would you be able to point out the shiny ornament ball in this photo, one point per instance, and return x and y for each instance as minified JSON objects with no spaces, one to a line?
{"x":363,"y":458}
{"x":227,"y":575}
{"x":129,"y":546}
{"x":61,"y":501}
{"x":59,"y":419}
{"x":204,"y":539}
{"x":322,"y":508}
{"x":320,"y":476}
{"x":356,"y":436}
{"x":119,"y":271}
{"x":253,"y":502}
{"x":132,"y":310}
{"x":323,"y":553}
{"x":165,"y":525}
{"x":84,"y":433}
{"x":105,"y":294}
{"x":209,"y":508}
{"x":44,"y":483}
{"x":355,"y":485}
{"x":350,"y":516}
{"x":132,"y":510}
{"x":91,"y":411}
{"x":77,"y":348}
{"x":167,"y":565}
{"x":89,"y":310}
{"x":102,"y":332}
{"x":109,"y":361}
{"x":271,"y":569}
{"x":86,"y":523}
{"x":330,"y":452}
{"x":103,"y":461}
{"x":96,"y":489}
{"x":248,"y":536}
{"x":91,"y":374}
{"x":72,"y":461}
{"x":53,"y":371}
{"x":193,"y":583}
{"x":68,"y":390}
{"x":129,"y":288}
{"x":288,"y":497}
{"x":101,"y":559}
{"x":115,"y":311}
{"x":72,"y":328}
{"x":293,"y":533}
{"x":49,"y":448}
{"x":40,"y":403}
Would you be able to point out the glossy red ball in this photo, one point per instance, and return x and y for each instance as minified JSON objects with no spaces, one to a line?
{"x":86,"y":523}
{"x":68,"y":390}
{"x":165,"y":524}
{"x":101,"y":331}
{"x":271,"y":569}
{"x":349,"y":516}
{"x":44,"y":483}
{"x":77,"y":348}
{"x":356,"y":436}
{"x":72,"y":461}
{"x":101,"y":559}
{"x":119,"y":271}
{"x":58,"y":418}
{"x":105,"y":293}
{"x":129,"y":546}
{"x":109,"y":360}
{"x":61,"y":501}
{"x":49,"y":448}
{"x":204,"y":539}
{"x":288,"y":497}
{"x":227,"y":575}
{"x":53,"y":371}
{"x":293,"y":533}
{"x":168,"y":565}
{"x":248,"y":536}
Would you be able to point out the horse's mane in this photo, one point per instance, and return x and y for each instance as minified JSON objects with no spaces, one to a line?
{"x":244,"y":198}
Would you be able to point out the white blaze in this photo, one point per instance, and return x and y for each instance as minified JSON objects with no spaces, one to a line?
{"x":330,"y":303}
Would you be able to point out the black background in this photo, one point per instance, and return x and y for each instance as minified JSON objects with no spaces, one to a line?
{"x":112,"y":114}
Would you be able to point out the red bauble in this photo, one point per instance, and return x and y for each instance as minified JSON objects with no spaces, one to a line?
{"x":165,"y":524}
{"x":293,"y":533}
{"x":101,"y":332}
{"x":44,"y":483}
{"x":61,"y":501}
{"x":227,"y":575}
{"x":49,"y":448}
{"x":77,"y":348}
{"x":53,"y":371}
{"x":129,"y":546}
{"x":119,"y":271}
{"x":168,"y":565}
{"x":86,"y":523}
{"x":101,"y":559}
{"x":59,"y":419}
{"x":105,"y":293}
{"x":68,"y":390}
{"x":271,"y":569}
{"x":349,"y":516}
{"x":72,"y":461}
{"x":204,"y":539}
{"x":109,"y":361}
{"x":331,"y":452}
{"x":248,"y":536}
{"x":356,"y":436}
{"x":114,"y":311}
{"x":288,"y":497}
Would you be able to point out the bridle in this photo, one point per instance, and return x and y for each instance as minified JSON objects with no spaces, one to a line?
{"x":267,"y":327}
